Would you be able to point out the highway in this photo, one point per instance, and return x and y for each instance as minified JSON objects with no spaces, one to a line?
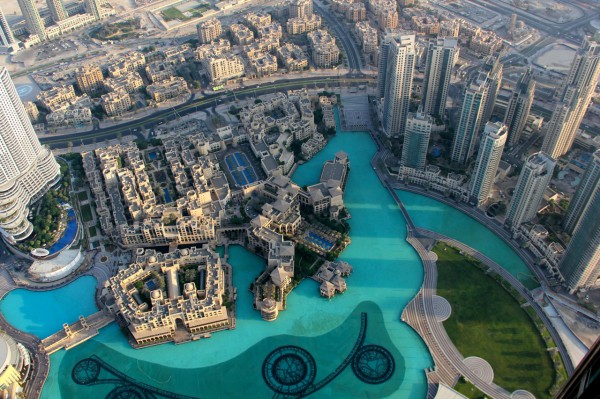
{"x":191,"y":106}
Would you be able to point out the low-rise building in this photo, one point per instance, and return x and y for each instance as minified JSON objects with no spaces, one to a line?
{"x":426,"y":25}
{"x":89,"y":78}
{"x":263,"y":65}
{"x":116,"y":102}
{"x":32,"y":111}
{"x":325,"y":53}
{"x":57,"y":98}
{"x":297,"y":26}
{"x":241,"y":34}
{"x":292,"y":57}
{"x":222,"y":68}
{"x":158,"y":71}
{"x":218,"y":47}
{"x":133,"y":61}
{"x":168,"y":89}
{"x":156,"y":307}
{"x":70,"y":117}
{"x":131,"y":82}
{"x":209,"y":30}
{"x":356,"y":12}
{"x":270,"y":31}
{"x":257,"y":19}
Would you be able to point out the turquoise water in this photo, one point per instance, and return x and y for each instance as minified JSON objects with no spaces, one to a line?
{"x":387,"y":274}
{"x":432,"y":215}
{"x":43,"y":313}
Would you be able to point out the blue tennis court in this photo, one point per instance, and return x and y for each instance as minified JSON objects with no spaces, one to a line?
{"x":240,"y":168}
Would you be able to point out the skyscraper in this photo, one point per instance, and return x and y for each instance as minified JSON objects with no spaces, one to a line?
{"x":57,"y":10}
{"x":519,"y":105}
{"x":580,"y":265}
{"x":26,"y":168}
{"x":6,"y":36}
{"x":34,"y":22}
{"x":471,"y":120}
{"x":590,"y":183}
{"x":488,"y":159}
{"x":493,"y":69}
{"x":397,"y":85}
{"x":416,"y":140}
{"x":93,"y":7}
{"x":442,"y":54}
{"x":529,"y":192}
{"x":574,"y":98}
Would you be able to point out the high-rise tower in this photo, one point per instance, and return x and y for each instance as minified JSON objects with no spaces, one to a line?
{"x":529,"y":192}
{"x":397,"y":85}
{"x":488,"y":159}
{"x":590,"y":184}
{"x":57,"y":10}
{"x":580,"y":265}
{"x":6,"y":36}
{"x":26,"y":168}
{"x":471,"y":120}
{"x":93,"y":7}
{"x":34,"y":22}
{"x":494,"y":70}
{"x":574,"y":98}
{"x":519,"y":105}
{"x":416,"y":140}
{"x":442,"y":54}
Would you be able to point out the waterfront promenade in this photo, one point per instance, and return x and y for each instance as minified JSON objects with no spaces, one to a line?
{"x":420,"y":312}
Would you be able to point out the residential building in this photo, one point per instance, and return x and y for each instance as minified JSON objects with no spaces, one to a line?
{"x":485,"y":43}
{"x":223,"y":67}
{"x":589,"y":184}
{"x":209,"y":30}
{"x":449,"y":28}
{"x":574,"y":98}
{"x":116,"y":102}
{"x":168,"y":89}
{"x":519,"y":105}
{"x":529,"y":192}
{"x":34,"y":22}
{"x":270,"y":31}
{"x":158,"y":71}
{"x":356,"y":12}
{"x":263,"y":65}
{"x":300,"y":8}
{"x":126,"y":63}
{"x":32,"y":111}
{"x":130,"y":82}
{"x":488,"y":159}
{"x":57,"y":10}
{"x":367,"y":36}
{"x":74,"y":117}
{"x":426,"y":25}
{"x":241,"y":34}
{"x":89,"y":78}
{"x":57,"y":97}
{"x":416,"y":140}
{"x":297,"y":26}
{"x":471,"y":120}
{"x":176,"y":310}
{"x":442,"y":55}
{"x":395,"y":81}
{"x":580,"y":265}
{"x":258,"y":19}
{"x":218,"y":47}
{"x":27,"y":168}
{"x":325,"y":53}
{"x":292,"y":57}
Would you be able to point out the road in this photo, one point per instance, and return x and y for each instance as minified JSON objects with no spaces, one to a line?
{"x":191,"y":106}
{"x":353,"y":55}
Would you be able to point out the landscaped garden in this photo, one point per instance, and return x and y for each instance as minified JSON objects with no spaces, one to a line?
{"x":489,"y":322}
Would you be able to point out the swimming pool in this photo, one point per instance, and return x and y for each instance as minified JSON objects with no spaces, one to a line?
{"x":68,"y":235}
{"x":319,"y":241}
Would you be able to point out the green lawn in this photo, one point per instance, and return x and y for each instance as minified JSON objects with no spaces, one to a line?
{"x":86,"y":213}
{"x":488,"y":322}
{"x":468,"y":389}
{"x":82,"y":196}
{"x":172,"y":13}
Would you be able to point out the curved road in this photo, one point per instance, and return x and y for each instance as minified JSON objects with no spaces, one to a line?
{"x":191,"y":106}
{"x":353,"y":55}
